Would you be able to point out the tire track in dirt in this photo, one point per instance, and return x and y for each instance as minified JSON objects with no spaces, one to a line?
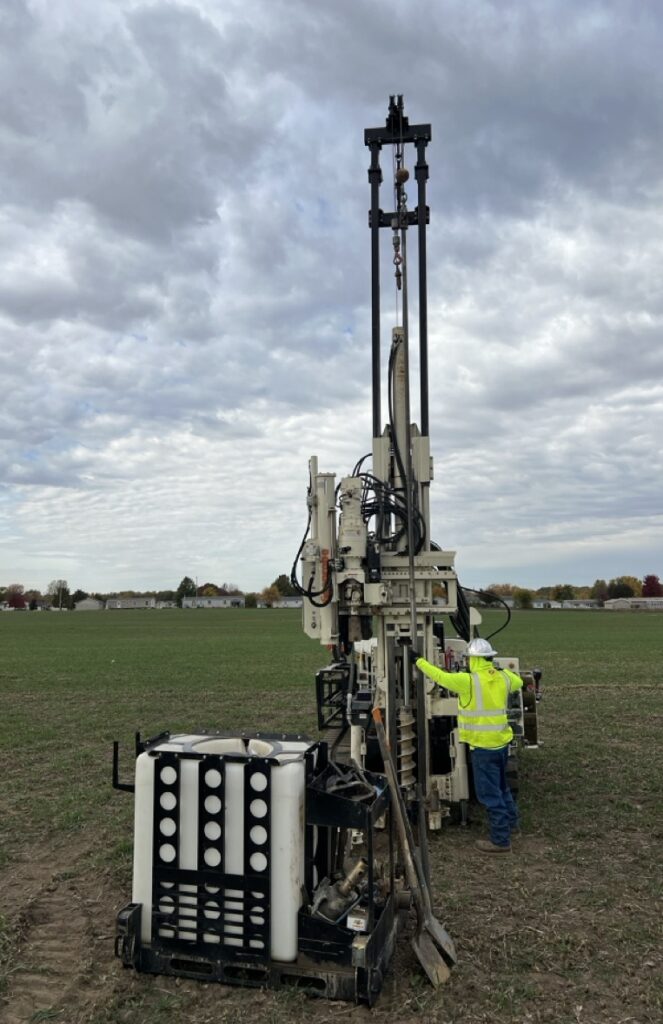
{"x":51,"y":955}
{"x":56,"y":916}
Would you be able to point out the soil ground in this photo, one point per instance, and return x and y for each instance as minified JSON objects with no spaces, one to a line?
{"x":566,"y":930}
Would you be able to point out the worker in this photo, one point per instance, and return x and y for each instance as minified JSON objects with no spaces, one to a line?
{"x":483,"y":696}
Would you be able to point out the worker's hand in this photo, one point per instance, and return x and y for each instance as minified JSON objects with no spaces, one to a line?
{"x":406,"y":641}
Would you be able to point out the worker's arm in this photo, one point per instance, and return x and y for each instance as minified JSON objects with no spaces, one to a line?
{"x":515,"y":680}
{"x":457,"y":682}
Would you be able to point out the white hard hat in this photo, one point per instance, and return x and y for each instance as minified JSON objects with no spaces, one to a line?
{"x":479,"y":648}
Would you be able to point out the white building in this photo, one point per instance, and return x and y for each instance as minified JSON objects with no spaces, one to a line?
{"x":288,"y":602}
{"x":229,"y":601}
{"x":649,"y":604}
{"x":89,"y":604}
{"x":130,"y":602}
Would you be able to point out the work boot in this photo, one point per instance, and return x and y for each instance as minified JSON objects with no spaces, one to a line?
{"x":486,"y":846}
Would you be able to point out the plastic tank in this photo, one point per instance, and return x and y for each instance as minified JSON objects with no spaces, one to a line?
{"x":187,"y":814}
{"x":284,"y":845}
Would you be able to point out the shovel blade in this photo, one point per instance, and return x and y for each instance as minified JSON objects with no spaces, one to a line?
{"x":441,"y":938}
{"x":429,"y":958}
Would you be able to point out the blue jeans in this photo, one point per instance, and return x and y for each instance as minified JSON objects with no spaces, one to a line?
{"x":492,"y":790}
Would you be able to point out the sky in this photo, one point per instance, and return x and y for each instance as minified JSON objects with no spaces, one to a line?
{"x":185,"y":281}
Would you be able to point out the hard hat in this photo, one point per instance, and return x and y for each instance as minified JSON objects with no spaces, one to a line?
{"x":479,"y":648}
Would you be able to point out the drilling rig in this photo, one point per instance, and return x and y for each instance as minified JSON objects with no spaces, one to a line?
{"x":373,"y":581}
{"x":279,"y":861}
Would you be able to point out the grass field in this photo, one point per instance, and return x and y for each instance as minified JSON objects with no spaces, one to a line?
{"x":568,"y":930}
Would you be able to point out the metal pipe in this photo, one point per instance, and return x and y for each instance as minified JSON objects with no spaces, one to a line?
{"x":375,"y":179}
{"x":421,"y":174}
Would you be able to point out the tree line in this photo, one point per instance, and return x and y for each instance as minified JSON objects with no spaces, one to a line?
{"x":601,"y":590}
{"x":58,"y":594}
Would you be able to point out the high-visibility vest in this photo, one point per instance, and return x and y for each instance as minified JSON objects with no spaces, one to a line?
{"x":482,"y":721}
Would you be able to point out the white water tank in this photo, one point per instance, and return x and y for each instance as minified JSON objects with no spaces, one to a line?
{"x":219,"y":840}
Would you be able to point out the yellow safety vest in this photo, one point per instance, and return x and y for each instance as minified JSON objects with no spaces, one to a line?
{"x":482,"y":721}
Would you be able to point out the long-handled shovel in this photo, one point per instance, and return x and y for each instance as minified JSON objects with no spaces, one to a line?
{"x":432,"y":944}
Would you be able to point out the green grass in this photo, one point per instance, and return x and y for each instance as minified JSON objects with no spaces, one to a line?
{"x":575,"y":922}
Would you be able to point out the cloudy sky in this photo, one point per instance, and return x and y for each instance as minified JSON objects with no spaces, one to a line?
{"x":184,"y":289}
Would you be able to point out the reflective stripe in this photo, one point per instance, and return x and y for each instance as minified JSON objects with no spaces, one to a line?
{"x":462,"y":713}
{"x":480,"y":728}
{"x":508,"y":684}
{"x":478,"y":695}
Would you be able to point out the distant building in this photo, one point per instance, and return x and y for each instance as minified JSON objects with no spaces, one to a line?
{"x":89,"y":604}
{"x":166,"y":604}
{"x":649,"y":604}
{"x":114,"y":603}
{"x":288,"y":602}
{"x":228,"y":601}
{"x":581,"y":602}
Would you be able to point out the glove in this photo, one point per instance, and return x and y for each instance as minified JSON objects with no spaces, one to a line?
{"x":406,"y":641}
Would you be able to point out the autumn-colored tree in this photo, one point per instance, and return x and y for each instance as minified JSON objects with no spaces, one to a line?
{"x":502,"y":589}
{"x":652,"y":587}
{"x":15,"y":596}
{"x":633,"y":582}
{"x":208,"y":590}
{"x":270,"y":595}
{"x":563,"y":592}
{"x":522,"y":597}
{"x":624,"y":586}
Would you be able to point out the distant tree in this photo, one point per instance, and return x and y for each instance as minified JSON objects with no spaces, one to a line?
{"x":229,"y":588}
{"x":187,"y":588}
{"x":15,"y":595}
{"x":270,"y":595}
{"x":58,"y":592}
{"x":78,"y":595}
{"x":208,"y":590}
{"x":633,"y":582}
{"x":620,"y":588}
{"x":284,"y":586}
{"x":522,"y":598}
{"x":563,"y":592}
{"x":166,"y":595}
{"x":599,"y":591}
{"x":544,"y":593}
{"x":502,"y":589}
{"x":652,"y":587}
{"x":250,"y":600}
